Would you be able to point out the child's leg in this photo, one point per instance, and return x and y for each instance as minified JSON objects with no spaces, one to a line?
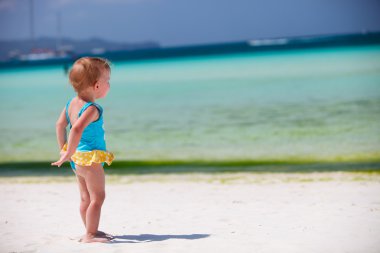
{"x":95,"y":183}
{"x":85,"y":202}
{"x":84,"y":197}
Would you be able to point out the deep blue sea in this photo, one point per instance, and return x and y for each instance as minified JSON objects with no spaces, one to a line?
{"x":306,"y":104}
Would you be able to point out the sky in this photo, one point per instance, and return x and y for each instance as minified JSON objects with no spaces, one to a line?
{"x":187,"y":22}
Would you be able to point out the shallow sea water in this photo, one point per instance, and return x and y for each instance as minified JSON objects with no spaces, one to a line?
{"x":319,"y":104}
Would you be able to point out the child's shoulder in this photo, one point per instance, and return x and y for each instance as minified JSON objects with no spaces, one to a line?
{"x":77,"y":102}
{"x":78,"y":106}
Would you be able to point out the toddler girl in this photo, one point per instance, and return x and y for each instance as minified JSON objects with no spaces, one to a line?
{"x":86,"y":147}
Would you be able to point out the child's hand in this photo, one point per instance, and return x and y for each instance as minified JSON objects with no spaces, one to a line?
{"x":64,"y":158}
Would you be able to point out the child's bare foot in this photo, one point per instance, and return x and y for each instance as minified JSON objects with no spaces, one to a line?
{"x":104,"y":235}
{"x":88,"y":238}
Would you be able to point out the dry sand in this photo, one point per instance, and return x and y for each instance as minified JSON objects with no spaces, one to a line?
{"x":316,"y":212}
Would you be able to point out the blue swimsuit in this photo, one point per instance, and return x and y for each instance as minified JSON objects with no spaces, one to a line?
{"x":92,"y":145}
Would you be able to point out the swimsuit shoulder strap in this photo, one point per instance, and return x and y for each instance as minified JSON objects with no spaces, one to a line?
{"x":100,"y":109}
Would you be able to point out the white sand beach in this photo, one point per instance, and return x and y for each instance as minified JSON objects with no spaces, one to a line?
{"x":315,"y":212}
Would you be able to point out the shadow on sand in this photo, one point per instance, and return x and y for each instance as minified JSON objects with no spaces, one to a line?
{"x":154,"y":238}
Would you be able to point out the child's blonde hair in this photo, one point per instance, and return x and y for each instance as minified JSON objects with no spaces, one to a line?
{"x":86,"y":71}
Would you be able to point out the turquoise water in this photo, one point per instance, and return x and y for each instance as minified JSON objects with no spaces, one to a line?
{"x":320,"y":104}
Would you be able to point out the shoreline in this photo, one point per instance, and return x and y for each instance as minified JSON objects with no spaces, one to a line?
{"x":372,"y":164}
{"x":221,"y":173}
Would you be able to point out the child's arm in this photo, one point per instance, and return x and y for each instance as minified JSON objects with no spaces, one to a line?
{"x":89,"y":115}
{"x":60,"y":129}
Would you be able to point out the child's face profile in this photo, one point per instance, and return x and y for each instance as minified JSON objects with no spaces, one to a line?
{"x":102,"y":86}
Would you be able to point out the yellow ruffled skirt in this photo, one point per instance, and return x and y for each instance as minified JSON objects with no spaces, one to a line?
{"x":86,"y":158}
